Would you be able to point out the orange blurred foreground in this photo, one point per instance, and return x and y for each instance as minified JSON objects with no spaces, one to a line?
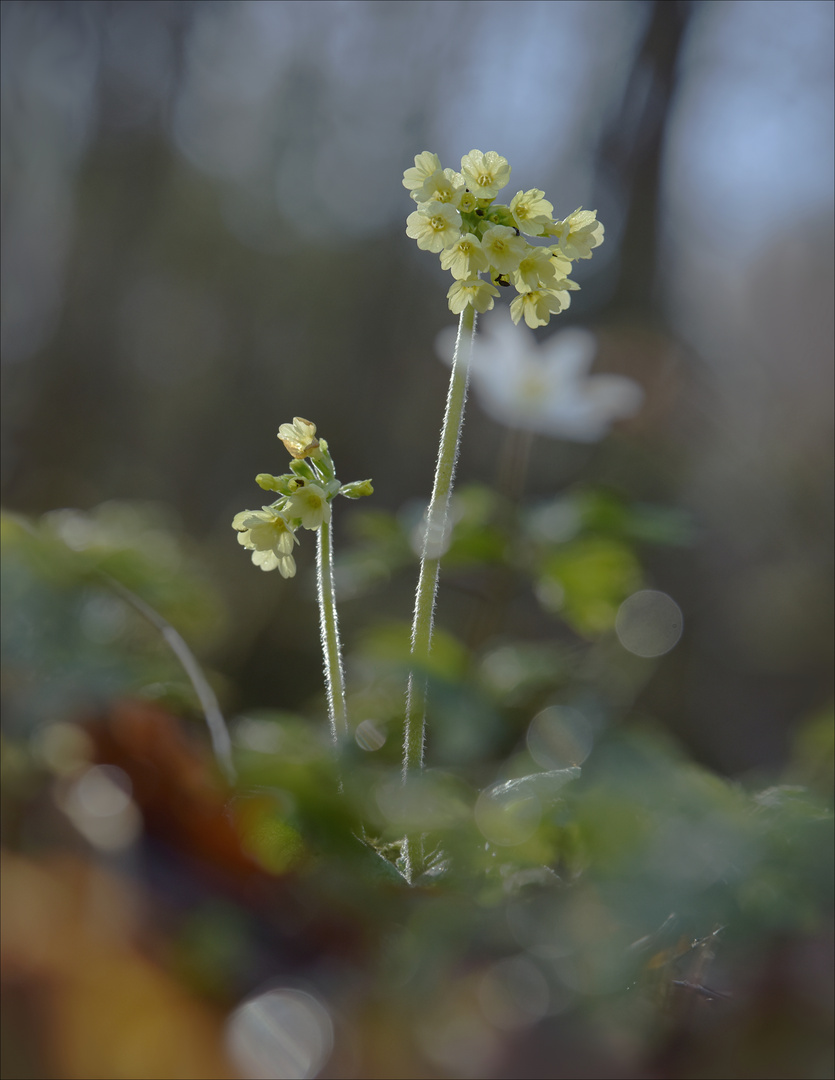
{"x":99,"y":1010}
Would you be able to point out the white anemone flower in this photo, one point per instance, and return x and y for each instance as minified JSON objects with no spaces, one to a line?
{"x":546,"y":388}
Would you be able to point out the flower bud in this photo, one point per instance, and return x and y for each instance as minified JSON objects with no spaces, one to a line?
{"x":357,"y":489}
{"x":299,"y":438}
{"x":284,"y":485}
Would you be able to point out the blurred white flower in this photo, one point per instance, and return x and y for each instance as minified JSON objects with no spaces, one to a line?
{"x":545,"y":388}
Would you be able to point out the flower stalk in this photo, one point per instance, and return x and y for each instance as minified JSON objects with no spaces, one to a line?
{"x":458,"y":219}
{"x":435,"y":539}
{"x":329,"y":631}
{"x":305,"y":497}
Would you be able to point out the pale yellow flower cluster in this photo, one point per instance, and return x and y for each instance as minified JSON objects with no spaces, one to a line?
{"x":457,"y":217}
{"x":305,"y":499}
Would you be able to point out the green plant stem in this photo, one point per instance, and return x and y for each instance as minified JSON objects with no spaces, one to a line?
{"x":221,"y":743}
{"x":437,"y":524}
{"x":437,"y":518}
{"x":329,"y":630}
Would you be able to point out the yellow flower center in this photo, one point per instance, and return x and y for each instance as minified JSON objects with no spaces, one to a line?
{"x":532,"y":387}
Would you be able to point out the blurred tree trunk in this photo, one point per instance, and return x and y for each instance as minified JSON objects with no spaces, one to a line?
{"x":632,"y":148}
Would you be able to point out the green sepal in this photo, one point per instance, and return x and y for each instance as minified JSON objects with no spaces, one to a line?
{"x":323,"y":460}
{"x":501,"y":215}
{"x":302,"y":469}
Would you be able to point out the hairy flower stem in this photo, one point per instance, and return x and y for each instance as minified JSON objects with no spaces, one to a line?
{"x":433,"y":544}
{"x":437,"y":523}
{"x":329,"y":630}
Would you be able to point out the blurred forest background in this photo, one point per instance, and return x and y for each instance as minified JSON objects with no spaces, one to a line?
{"x":203,"y":235}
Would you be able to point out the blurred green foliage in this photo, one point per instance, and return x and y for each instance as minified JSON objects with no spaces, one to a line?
{"x":561,"y":828}
{"x":614,"y":879}
{"x":72,"y":635}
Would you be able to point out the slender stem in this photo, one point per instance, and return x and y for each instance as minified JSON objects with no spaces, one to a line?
{"x":221,"y":743}
{"x":434,"y":541}
{"x":329,"y":630}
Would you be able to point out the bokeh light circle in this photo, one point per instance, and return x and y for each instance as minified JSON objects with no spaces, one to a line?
{"x":369,"y":736}
{"x":507,"y":817}
{"x":281,"y":1034}
{"x":649,"y":623}
{"x":513,"y":993}
{"x":559,"y":737}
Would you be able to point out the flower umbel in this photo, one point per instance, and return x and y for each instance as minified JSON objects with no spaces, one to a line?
{"x":305,"y":499}
{"x":458,"y":219}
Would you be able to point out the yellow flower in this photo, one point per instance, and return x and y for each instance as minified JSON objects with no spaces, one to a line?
{"x":578,"y":233}
{"x":270,"y":538}
{"x":537,"y":306}
{"x":425,"y":164}
{"x":308,"y":507}
{"x":464,"y":258}
{"x":561,"y":264}
{"x":531,"y":211}
{"x":486,"y":174}
{"x":503,"y":248}
{"x":479,"y":294}
{"x":536,"y":269}
{"x":443,"y":186}
{"x":434,"y":225}
{"x":299,"y":438}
